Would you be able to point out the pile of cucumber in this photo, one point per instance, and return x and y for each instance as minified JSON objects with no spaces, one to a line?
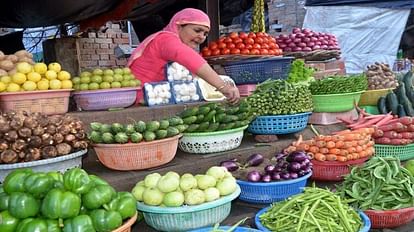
{"x":216,"y":117}
{"x":400,"y":101}
{"x":136,"y":132}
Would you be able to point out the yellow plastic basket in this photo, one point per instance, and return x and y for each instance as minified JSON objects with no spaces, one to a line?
{"x":370,"y":97}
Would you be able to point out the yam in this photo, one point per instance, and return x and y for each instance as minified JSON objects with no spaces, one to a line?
{"x":3,"y":72}
{"x":26,"y":59}
{"x":23,"y":53}
{"x":2,"y":56}
{"x":6,"y":65}
{"x":12,"y":72}
{"x":12,"y":58}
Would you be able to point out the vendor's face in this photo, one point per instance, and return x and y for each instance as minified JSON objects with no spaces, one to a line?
{"x":192,"y":34}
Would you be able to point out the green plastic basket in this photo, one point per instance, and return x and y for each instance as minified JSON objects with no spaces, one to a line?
{"x":370,"y":109}
{"x":186,"y":217}
{"x":332,"y":103}
{"x":405,"y":152}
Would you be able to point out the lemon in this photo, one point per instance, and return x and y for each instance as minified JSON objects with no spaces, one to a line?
{"x":63,"y":75}
{"x":13,"y":87}
{"x":24,"y":67}
{"x":43,"y":85}
{"x":67,"y":84}
{"x":40,"y":68}
{"x":5,"y":79}
{"x":34,"y":76}
{"x":55,"y":84}
{"x":29,"y":86}
{"x":55,"y":67}
{"x":19,"y":78}
{"x":3,"y":86}
{"x":51,"y":75}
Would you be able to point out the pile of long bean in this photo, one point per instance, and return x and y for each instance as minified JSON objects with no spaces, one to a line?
{"x":313,"y":210}
{"x":339,"y":84}
{"x":381,"y":184}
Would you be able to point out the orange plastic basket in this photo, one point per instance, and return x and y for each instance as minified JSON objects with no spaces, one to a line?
{"x":390,"y":218}
{"x":333,"y":170}
{"x":137,"y":156}
{"x":44,"y":101}
{"x":126,"y":227}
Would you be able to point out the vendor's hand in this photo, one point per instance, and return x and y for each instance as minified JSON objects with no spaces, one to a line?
{"x":232,"y":94}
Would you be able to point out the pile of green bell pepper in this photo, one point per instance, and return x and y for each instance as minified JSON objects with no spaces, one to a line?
{"x":53,"y":202}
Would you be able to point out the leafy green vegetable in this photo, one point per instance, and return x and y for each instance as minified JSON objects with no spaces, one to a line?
{"x":299,"y":73}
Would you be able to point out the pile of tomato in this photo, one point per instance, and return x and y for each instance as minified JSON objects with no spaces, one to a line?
{"x":258,"y":43}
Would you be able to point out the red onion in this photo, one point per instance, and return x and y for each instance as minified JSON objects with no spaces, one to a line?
{"x":296,"y":30}
{"x":297,"y":40}
{"x":306,"y":39}
{"x":307,"y":49}
{"x":302,"y":45}
{"x":316,"y":47}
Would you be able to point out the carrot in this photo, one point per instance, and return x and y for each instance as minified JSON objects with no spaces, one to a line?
{"x":362,"y":142}
{"x":335,"y":151}
{"x":347,"y":144}
{"x":399,"y":141}
{"x":351,"y":150}
{"x":323,"y":150}
{"x":320,"y":157}
{"x":311,"y":155}
{"x":310,"y":142}
{"x":314,"y":149}
{"x":370,"y":151}
{"x":364,"y":147}
{"x":370,"y":143}
{"x":349,"y":137}
{"x":365,"y":130}
{"x":404,"y":128}
{"x":320,"y":144}
{"x":344,"y":152}
{"x":331,"y":157}
{"x":350,"y":157}
{"x":383,"y":140}
{"x":378,"y":133}
{"x":410,"y":128}
{"x":303,"y":147}
{"x":390,"y":134}
{"x":358,"y":148}
{"x":342,"y":158}
{"x":337,"y":138}
{"x":341,"y":132}
{"x":385,"y":120}
{"x":355,"y":156}
{"x":368,"y":123}
{"x":354,"y":143}
{"x":320,"y":138}
{"x":330,"y":144}
{"x":290,"y":149}
{"x":406,"y":120}
{"x":391,"y":126}
{"x":327,"y":138}
{"x":298,"y":141}
{"x":339,"y":144}
{"x":363,"y":154}
{"x":407,"y":135}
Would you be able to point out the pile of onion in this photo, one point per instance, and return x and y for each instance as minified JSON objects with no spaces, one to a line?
{"x":306,"y":40}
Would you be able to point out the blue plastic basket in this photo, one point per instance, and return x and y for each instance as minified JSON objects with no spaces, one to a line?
{"x":279,"y":124}
{"x":224,"y":228}
{"x":254,"y":71}
{"x":266,"y":193}
{"x":365,"y":228}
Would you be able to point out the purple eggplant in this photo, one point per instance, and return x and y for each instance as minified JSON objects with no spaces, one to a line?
{"x":266,"y":178}
{"x":294,"y":167}
{"x":276,"y":176}
{"x":254,"y":160}
{"x":307,"y":170}
{"x":285,"y":176}
{"x":293,"y":175}
{"x":301,"y":173}
{"x":280,"y":155}
{"x":269,"y":168}
{"x":230,"y":165}
{"x":297,"y":156}
{"x":278,"y":169}
{"x":254,"y":176}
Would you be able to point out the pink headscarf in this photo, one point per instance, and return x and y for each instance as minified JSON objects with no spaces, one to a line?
{"x":185,"y":16}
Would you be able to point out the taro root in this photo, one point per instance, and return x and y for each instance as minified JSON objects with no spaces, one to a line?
{"x":3,"y":145}
{"x":38,"y":131}
{"x":9,"y":157}
{"x":21,"y":155}
{"x":43,"y":121}
{"x":4,"y":124}
{"x":47,"y":139}
{"x":80,"y":135}
{"x":51,"y":129}
{"x":24,"y":132}
{"x":11,"y":135}
{"x":17,"y":121}
{"x":64,"y":129}
{"x":49,"y":152}
{"x":63,"y":149}
{"x":32,"y":154}
{"x":55,"y":120}
{"x":80,"y":144}
{"x":30,"y":122}
{"x":35,"y":141}
{"x":58,"y":138}
{"x":70,"y":138}
{"x":19,"y":145}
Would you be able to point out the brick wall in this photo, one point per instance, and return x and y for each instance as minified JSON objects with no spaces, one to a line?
{"x":286,"y":13}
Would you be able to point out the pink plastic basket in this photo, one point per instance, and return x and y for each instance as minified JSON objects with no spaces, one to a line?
{"x":246,"y":90}
{"x":331,"y":118}
{"x":106,"y":98}
{"x":390,"y":218}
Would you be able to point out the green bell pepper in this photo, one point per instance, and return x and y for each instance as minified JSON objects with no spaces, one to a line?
{"x":8,"y":223}
{"x":81,"y":223}
{"x":124,"y":203}
{"x":57,"y":178}
{"x":97,"y":180}
{"x":77,"y":181}
{"x":23,"y":205}
{"x":4,"y":201}
{"x":38,"y":225}
{"x":98,"y":196}
{"x":14,"y":181}
{"x":104,"y":221}
{"x":38,"y":184}
{"x":59,"y":204}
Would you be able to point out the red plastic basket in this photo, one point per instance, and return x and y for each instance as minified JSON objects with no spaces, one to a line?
{"x":333,"y":170}
{"x":246,"y":90}
{"x":390,"y":218}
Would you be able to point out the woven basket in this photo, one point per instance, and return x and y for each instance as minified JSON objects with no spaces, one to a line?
{"x":370,"y":97}
{"x":334,"y":170}
{"x":137,"y":156}
{"x":126,"y":227}
{"x":44,"y":101}
{"x":335,"y":102}
{"x":390,"y":218}
{"x":405,"y":152}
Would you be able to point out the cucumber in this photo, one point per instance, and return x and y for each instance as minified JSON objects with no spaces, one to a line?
{"x":220,"y":117}
{"x":174,"y":121}
{"x":189,"y":112}
{"x":401,"y":111}
{"x":203,"y":110}
{"x":203,"y":127}
{"x":408,"y":81}
{"x":140,"y":126}
{"x":230,"y":118}
{"x":181,"y":128}
{"x":160,"y":134}
{"x":172,"y":131}
{"x":210,"y":116}
{"x":232,"y":110}
{"x":409,"y":111}
{"x":164,"y":124}
{"x":382,"y":108}
{"x":190,"y":120}
{"x":200,"y":118}
{"x":392,"y":103}
{"x":401,"y":92}
{"x":213,"y":127}
{"x":192,"y":128}
{"x":153,"y":126}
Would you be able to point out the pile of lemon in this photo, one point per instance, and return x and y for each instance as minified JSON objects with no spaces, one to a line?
{"x":28,"y":77}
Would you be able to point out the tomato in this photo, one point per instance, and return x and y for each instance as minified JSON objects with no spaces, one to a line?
{"x":264,"y":45}
{"x":245,"y":51}
{"x":243,"y":35}
{"x":248,"y":41}
{"x":237,"y":40}
{"x":205,"y":49}
{"x":228,"y":40}
{"x":230,"y":45}
{"x":259,"y":34}
{"x":271,"y":39}
{"x":254,"y":51}
{"x":235,"y":51}
{"x":215,"y":52}
{"x":221,"y":39}
{"x":240,"y":45}
{"x":257,"y":46}
{"x":251,"y":35}
{"x":248,"y":46}
{"x":233,"y":35}
{"x":258,"y":40}
{"x":265,"y":40}
{"x":221,"y":45}
{"x":206,"y":52}
{"x":271,"y":52}
{"x":264,"y":51}
{"x":272,"y":45}
{"x":225,"y":51}
{"x":212,"y":45}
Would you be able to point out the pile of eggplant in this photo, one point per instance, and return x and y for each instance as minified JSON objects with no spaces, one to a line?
{"x":283,"y":166}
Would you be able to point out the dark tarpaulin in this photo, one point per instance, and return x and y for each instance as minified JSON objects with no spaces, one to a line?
{"x":396,"y":4}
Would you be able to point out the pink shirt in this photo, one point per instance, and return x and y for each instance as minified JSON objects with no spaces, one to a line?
{"x":163,"y":48}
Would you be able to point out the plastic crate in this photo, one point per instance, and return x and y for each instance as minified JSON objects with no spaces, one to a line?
{"x":390,"y":218}
{"x":405,"y":152}
{"x":254,"y":71}
{"x":333,"y":170}
{"x":44,"y":101}
{"x":175,"y":92}
{"x":104,"y":99}
{"x":185,"y":218}
{"x":126,"y":227}
{"x":331,"y":118}
{"x":246,"y":90}
{"x":335,"y":102}
{"x":266,"y":193}
{"x":365,"y":220}
{"x":279,"y":124}
{"x":370,"y":97}
{"x":149,"y":85}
